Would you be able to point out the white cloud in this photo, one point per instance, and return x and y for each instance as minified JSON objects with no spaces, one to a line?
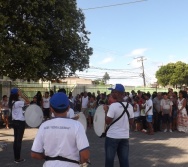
{"x":106,"y":60}
{"x":137,"y":52}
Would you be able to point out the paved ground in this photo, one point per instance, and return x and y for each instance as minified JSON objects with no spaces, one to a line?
{"x":159,"y":150}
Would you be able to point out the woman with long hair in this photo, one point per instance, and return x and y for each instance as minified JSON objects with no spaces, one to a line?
{"x":18,"y":118}
{"x":39,"y":98}
{"x":182,"y":124}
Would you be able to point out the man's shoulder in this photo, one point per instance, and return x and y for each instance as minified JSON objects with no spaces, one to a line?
{"x":155,"y":99}
{"x":56,"y":123}
{"x":149,"y":100}
{"x":118,"y":104}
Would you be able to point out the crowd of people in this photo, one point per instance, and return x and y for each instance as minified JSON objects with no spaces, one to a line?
{"x":144,"y":112}
{"x":159,"y":111}
{"x":167,"y":110}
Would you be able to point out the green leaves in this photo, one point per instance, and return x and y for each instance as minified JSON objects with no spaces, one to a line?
{"x":106,"y":77}
{"x":173,"y":74}
{"x":42,"y":39}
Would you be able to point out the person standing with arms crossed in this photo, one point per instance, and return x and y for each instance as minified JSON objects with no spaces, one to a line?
{"x":61,"y":141}
{"x":18,"y":118}
{"x":117,"y":137}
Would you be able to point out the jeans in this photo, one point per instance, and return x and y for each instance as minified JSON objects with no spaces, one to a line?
{"x":19,"y":128}
{"x":144,"y":122}
{"x":121,"y":146}
{"x":157,"y":121}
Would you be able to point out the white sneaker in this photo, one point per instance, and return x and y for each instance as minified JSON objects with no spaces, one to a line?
{"x":165,"y":130}
{"x":20,"y":160}
{"x":170,"y":130}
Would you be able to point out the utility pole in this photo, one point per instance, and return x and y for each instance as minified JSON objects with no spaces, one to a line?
{"x":141,"y":59}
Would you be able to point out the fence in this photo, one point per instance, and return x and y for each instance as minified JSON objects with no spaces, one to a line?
{"x":30,"y":89}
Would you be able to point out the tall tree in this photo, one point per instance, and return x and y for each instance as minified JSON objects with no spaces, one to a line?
{"x":106,"y":77}
{"x":42,"y":39}
{"x":164,"y":74}
{"x":173,"y":74}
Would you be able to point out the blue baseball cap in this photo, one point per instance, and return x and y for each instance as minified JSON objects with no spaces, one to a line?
{"x":117,"y":87}
{"x":59,"y":101}
{"x":14,"y":91}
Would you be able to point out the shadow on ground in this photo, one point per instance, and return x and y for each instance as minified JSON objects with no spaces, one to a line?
{"x":145,"y":150}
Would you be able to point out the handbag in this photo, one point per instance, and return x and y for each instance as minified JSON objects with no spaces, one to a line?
{"x":125,"y":110}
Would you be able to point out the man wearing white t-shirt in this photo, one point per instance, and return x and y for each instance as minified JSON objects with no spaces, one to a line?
{"x":61,"y":141}
{"x":117,"y":137}
{"x":85,"y":101}
{"x":149,"y":113}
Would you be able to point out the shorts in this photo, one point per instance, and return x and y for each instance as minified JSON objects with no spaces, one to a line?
{"x":85,"y":112}
{"x":91,"y":114}
{"x":5,"y":113}
{"x":46,"y":112}
{"x":137,"y":119}
{"x":149,"y":118}
{"x":167,"y":118}
{"x":174,"y":114}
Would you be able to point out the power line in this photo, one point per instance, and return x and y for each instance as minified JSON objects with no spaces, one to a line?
{"x":125,"y":70}
{"x":107,"y":50}
{"x":126,"y":3}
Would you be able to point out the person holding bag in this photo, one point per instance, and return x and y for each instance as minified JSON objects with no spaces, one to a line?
{"x":117,"y":137}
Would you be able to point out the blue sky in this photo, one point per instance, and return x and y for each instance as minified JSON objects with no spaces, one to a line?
{"x":155,"y":29}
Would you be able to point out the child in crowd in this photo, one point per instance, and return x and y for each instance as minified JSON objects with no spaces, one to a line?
{"x":143,"y":116}
{"x":91,"y":109}
{"x":149,"y":113}
{"x":136,"y":115}
{"x":34,"y":101}
{"x":166,"y":108}
{"x":5,"y":111}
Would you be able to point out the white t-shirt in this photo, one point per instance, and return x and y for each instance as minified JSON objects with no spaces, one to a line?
{"x":137,"y":112}
{"x":4,"y":105}
{"x":84,"y":102}
{"x":120,"y":129}
{"x":166,"y":104}
{"x":125,"y":98}
{"x":70,"y":113}
{"x":149,"y":104}
{"x":46,"y":102}
{"x":60,"y":137}
{"x":17,"y":111}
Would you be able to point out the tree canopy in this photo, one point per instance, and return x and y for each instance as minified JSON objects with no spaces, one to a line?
{"x":98,"y":82}
{"x":106,"y":77}
{"x":173,"y":74}
{"x":42,"y":39}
